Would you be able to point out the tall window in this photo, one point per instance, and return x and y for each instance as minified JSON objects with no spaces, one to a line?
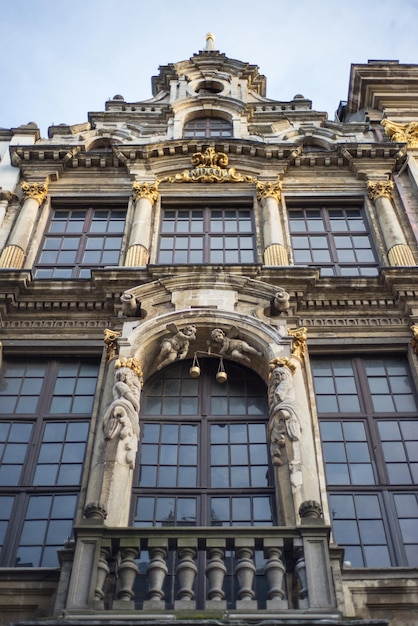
{"x":45,"y":407}
{"x":369,"y":429}
{"x":79,"y":239}
{"x":207,"y":127}
{"x":336,"y":239}
{"x":204,"y":461}
{"x":209,"y":234}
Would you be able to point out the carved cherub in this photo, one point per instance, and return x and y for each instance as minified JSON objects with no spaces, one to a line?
{"x":175,"y":348}
{"x":232,"y":346}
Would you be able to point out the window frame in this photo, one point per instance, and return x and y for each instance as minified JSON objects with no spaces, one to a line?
{"x":208,"y":127}
{"x":56,"y":382}
{"x":206,"y":204}
{"x":78,"y":268}
{"x":382,"y":488}
{"x":334,"y":267}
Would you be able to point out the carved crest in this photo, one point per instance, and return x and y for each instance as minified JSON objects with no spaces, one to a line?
{"x":210,"y":167}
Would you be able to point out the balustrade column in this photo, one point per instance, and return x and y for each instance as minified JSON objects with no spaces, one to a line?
{"x":215,"y":573}
{"x":156,"y":572}
{"x":144,"y":196}
{"x":399,"y":253}
{"x":245,"y":571}
{"x":127,"y":573}
{"x":13,"y":254}
{"x":275,"y":572}
{"x":269,"y":194}
{"x":186,"y":571}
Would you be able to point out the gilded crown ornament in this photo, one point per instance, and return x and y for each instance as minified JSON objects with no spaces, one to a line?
{"x":209,"y":167}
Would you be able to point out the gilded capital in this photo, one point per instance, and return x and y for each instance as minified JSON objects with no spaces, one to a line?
{"x":405,"y":133}
{"x":110,"y":337}
{"x":299,"y":341}
{"x":379,"y":188}
{"x":145,"y":190}
{"x":37,"y":191}
{"x":269,"y":190}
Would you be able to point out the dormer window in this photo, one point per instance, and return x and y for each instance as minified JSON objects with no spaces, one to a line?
{"x":207,"y":127}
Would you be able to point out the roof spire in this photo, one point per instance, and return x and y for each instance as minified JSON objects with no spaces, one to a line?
{"x":210,"y":42}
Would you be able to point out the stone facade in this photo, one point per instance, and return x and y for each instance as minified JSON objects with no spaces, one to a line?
{"x":211,"y":226}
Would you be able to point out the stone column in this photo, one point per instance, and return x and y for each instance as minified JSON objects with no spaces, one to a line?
{"x":399,"y":253}
{"x":144,"y":196}
{"x":269,"y":194}
{"x":14,"y":253}
{"x":121,"y":433}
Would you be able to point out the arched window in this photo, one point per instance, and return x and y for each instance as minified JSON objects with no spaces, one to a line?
{"x":207,"y":127}
{"x":203,"y":461}
{"x":204,"y":458}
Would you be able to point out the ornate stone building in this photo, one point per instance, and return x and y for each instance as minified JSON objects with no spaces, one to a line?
{"x":209,"y":328}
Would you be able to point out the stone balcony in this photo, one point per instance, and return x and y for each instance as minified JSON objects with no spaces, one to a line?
{"x":210,"y":571}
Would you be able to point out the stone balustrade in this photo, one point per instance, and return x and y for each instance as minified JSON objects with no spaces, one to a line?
{"x":193,"y":568}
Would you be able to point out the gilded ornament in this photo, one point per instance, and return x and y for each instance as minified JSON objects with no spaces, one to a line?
{"x":379,"y":189}
{"x":110,"y":337}
{"x":404,"y":133}
{"x":300,"y":336}
{"x":145,"y":190}
{"x":132,"y":364}
{"x":269,"y":190}
{"x":414,"y":340}
{"x":37,"y":191}
{"x":210,"y":167}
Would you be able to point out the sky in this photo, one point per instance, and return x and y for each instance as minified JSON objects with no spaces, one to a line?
{"x":60,"y":59}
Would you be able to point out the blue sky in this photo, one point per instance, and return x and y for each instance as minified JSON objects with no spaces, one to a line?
{"x":60,"y":59}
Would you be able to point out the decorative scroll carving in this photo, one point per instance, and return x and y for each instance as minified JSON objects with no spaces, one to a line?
{"x":110,"y":337}
{"x":299,"y":341}
{"x":379,"y":188}
{"x":414,"y":340}
{"x":121,"y":417}
{"x":269,"y":190}
{"x":145,"y":190}
{"x":210,"y":167}
{"x":283,"y":408}
{"x":37,"y":191}
{"x":175,"y":348}
{"x":405,"y":133}
{"x":232,"y":346}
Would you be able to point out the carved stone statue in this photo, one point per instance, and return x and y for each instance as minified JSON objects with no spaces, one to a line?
{"x":175,"y":348}
{"x":283,"y":408}
{"x":121,"y":418}
{"x":232,"y":346}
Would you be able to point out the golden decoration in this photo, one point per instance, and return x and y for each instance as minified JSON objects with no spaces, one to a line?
{"x":145,"y":190}
{"x":414,"y":340}
{"x":379,"y":189}
{"x":37,"y":191}
{"x":210,"y":167}
{"x":132,"y":363}
{"x":300,"y":336}
{"x":110,"y":337}
{"x":401,"y":254}
{"x":12,"y":256}
{"x":281,"y":362}
{"x":269,"y":190}
{"x":405,"y":133}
